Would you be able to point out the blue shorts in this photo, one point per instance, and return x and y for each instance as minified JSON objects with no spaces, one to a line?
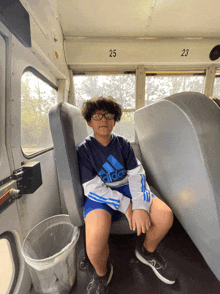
{"x":92,"y":205}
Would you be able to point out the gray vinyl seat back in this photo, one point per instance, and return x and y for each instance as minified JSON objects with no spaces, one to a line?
{"x":68,"y":129}
{"x":179,"y":139}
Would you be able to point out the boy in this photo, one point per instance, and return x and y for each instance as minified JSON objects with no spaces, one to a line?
{"x":114,"y":183}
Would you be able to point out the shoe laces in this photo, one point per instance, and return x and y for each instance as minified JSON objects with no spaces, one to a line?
{"x":158,"y":262}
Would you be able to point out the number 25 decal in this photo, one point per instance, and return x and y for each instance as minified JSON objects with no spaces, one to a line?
{"x":112,"y":53}
{"x":185,"y":52}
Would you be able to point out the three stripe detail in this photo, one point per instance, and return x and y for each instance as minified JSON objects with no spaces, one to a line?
{"x":98,"y":198}
{"x":145,"y":191}
{"x":116,"y":202}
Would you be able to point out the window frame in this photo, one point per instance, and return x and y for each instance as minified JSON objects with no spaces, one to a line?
{"x":47,"y":81}
{"x":217,"y":76}
{"x":40,"y":76}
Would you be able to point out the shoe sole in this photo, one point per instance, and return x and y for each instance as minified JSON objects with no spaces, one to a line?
{"x":166,"y":281}
{"x":110,"y":275}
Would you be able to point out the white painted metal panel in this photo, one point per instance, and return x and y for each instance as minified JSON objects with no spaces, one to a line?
{"x":29,"y":210}
{"x":45,"y":201}
{"x":9,"y":219}
{"x":4,"y":164}
{"x":166,"y":52}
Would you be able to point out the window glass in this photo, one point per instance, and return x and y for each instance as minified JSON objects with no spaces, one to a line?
{"x":126,"y":126}
{"x":120,"y":87}
{"x":7,"y":267}
{"x":216,"y":92}
{"x":159,"y":87}
{"x":37,"y":97}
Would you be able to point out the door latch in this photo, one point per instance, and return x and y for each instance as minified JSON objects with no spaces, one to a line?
{"x":25,"y":180}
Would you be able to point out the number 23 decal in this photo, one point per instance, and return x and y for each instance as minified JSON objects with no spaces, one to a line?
{"x":185,"y":52}
{"x":112,"y":53}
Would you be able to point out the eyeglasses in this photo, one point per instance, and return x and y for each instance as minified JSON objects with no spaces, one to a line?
{"x":108,"y":116}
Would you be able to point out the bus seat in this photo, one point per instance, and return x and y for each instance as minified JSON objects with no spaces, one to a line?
{"x":179,"y":139}
{"x":68,"y":129}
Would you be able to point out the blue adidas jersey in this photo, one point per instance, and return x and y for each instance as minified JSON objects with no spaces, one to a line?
{"x":102,"y":167}
{"x":110,"y":162}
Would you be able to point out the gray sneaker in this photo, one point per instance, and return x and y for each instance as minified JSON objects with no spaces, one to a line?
{"x":99,"y":285}
{"x":157,"y":263}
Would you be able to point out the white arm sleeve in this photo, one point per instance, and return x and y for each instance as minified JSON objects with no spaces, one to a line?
{"x":97,"y":191}
{"x":140,"y":191}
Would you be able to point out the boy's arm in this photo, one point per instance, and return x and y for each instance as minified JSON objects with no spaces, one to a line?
{"x":96,"y":190}
{"x":140,"y":191}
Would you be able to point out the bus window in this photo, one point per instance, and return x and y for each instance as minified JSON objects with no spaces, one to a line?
{"x":37,"y":96}
{"x":7,"y":267}
{"x":120,"y":87}
{"x":216,"y":92}
{"x":159,"y":86}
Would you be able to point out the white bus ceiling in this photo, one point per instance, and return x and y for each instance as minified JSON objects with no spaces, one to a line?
{"x":108,"y":35}
{"x":146,"y":18}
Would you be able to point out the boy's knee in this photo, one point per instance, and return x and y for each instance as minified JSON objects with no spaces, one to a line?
{"x":98,"y":223}
{"x":95,"y":251}
{"x":165,"y":220}
{"x":170,"y":217}
{"x":164,"y":216}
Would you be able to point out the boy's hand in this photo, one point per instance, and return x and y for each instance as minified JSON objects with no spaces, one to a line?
{"x":128,"y":214}
{"x":141,"y":221}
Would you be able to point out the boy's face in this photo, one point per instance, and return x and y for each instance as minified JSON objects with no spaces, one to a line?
{"x":103,"y":127}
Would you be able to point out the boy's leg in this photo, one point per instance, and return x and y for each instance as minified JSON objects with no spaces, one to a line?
{"x":161,"y":217}
{"x":98,"y":224}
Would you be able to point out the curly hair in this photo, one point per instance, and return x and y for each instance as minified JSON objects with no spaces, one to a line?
{"x":101,"y":103}
{"x":216,"y":100}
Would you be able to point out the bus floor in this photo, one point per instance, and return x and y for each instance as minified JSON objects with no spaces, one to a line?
{"x":131,"y":276}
